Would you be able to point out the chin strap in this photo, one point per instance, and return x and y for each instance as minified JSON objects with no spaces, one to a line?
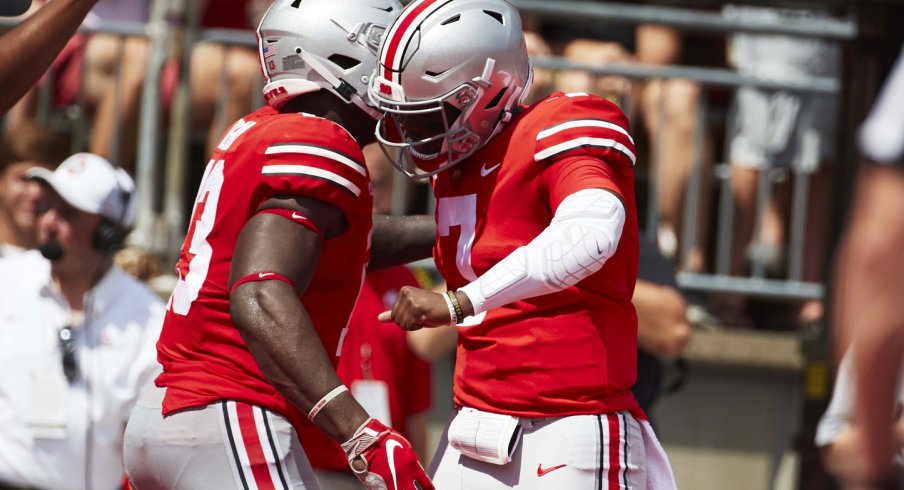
{"x":341,"y":87}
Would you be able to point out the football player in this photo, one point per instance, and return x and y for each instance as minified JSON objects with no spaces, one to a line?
{"x":269,"y":271}
{"x":538,"y":242}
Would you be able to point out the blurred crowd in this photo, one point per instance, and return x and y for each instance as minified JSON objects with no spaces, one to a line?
{"x":759,"y":159}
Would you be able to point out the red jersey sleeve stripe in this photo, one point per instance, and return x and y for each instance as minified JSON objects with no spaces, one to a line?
{"x":583,"y":123}
{"x":317,"y":173}
{"x":585,"y":142}
{"x":319,"y":151}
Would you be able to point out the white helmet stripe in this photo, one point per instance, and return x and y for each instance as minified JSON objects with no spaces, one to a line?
{"x":400,"y":34}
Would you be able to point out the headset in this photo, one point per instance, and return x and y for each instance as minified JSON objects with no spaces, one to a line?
{"x":110,"y":235}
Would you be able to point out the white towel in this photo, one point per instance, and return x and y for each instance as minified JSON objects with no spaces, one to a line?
{"x":659,"y":471}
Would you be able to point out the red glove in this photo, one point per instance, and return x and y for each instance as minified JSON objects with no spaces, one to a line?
{"x":383,"y":460}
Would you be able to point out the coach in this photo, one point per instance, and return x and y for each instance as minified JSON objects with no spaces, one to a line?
{"x":77,"y":335}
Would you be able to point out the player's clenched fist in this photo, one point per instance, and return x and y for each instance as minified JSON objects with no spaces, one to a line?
{"x":417,"y":308}
{"x":384,"y":460}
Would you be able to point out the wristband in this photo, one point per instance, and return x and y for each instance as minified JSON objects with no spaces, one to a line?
{"x":453,"y":300}
{"x":262,"y":276}
{"x":452,"y":313}
{"x":326,"y":399}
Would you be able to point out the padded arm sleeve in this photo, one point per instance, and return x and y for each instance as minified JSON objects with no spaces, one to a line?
{"x":583,"y":234}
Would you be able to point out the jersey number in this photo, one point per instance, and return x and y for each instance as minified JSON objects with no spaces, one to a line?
{"x":459,"y":211}
{"x":194,"y":261}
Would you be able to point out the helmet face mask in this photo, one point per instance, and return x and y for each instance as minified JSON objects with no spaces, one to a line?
{"x":319,"y":44}
{"x":430,"y":133}
{"x":468,"y":55}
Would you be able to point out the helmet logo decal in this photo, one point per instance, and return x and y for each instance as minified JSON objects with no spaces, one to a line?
{"x":293,"y":62}
{"x":280,"y":90}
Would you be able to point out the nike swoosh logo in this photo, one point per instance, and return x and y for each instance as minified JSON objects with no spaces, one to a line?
{"x":598,"y":251}
{"x":484,"y":170}
{"x":261,"y":275}
{"x":542,"y":471}
{"x":390,"y":457}
{"x":296,"y":215}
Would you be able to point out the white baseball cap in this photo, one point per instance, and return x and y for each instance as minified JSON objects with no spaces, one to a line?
{"x":92,"y":184}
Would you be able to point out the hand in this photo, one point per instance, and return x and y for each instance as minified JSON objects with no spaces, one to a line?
{"x":847,"y":458}
{"x":417,"y":308}
{"x":383,"y":460}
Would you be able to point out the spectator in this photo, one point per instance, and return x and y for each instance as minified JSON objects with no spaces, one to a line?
{"x":669,"y":110}
{"x":662,"y":327}
{"x":20,"y":149}
{"x":223,"y":77}
{"x":27,"y":50}
{"x":836,"y":435}
{"x":870,"y":278}
{"x":109,"y":71}
{"x":78,"y":335}
{"x":268,"y":273}
{"x":106,"y":72}
{"x":537,"y":239}
{"x":543,"y":82}
{"x":778,"y":129}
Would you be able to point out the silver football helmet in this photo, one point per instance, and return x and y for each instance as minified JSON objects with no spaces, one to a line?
{"x":308,"y":45}
{"x":450,"y":73}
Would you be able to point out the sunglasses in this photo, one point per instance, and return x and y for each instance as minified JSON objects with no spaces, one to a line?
{"x":67,"y":348}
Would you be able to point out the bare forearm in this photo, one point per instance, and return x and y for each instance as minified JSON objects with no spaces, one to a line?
{"x":877,"y":362}
{"x":662,"y":330}
{"x":28,"y":50}
{"x":398,"y":240}
{"x":868,"y":306}
{"x":288,"y":351}
{"x":876,"y":354}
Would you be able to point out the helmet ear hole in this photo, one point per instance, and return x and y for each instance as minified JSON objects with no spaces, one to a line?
{"x":495,"y":101}
{"x":346,"y":62}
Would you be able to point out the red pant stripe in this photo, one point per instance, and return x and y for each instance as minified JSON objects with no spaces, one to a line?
{"x":613,"y":451}
{"x":260,"y":469}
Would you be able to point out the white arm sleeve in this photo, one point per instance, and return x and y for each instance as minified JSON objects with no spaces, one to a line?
{"x":583,"y":234}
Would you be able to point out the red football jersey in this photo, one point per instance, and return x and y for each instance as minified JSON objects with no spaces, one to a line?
{"x":572,"y":351}
{"x":376,"y":353}
{"x":265,"y":154}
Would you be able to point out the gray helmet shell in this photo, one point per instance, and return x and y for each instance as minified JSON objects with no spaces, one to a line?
{"x":308,"y":45}
{"x":469,"y":54}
